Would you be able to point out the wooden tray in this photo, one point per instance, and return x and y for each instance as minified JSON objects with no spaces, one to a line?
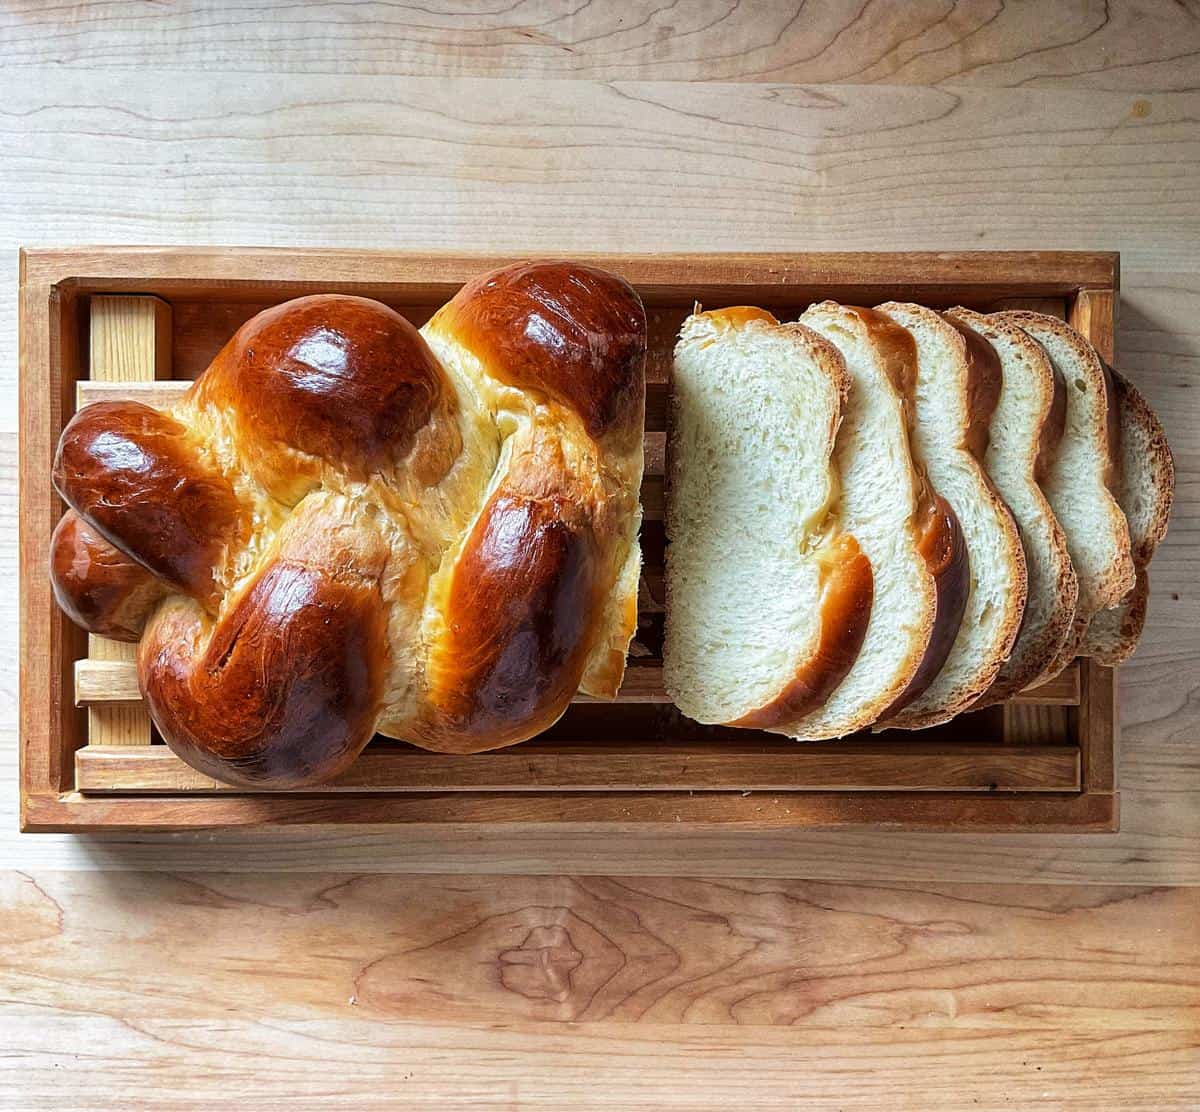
{"x":138,"y":322}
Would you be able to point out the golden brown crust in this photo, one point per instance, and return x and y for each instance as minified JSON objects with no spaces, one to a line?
{"x":520,"y":615}
{"x":540,"y":597}
{"x":97,"y":585}
{"x":985,"y":379}
{"x":131,"y":472}
{"x":1153,"y":481}
{"x":1112,"y":477}
{"x":847,"y":591}
{"x":324,"y":381}
{"x":939,"y":536}
{"x":284,"y":691}
{"x":940,"y":541}
{"x":574,"y":332}
{"x":977,"y":393}
{"x":1055,"y":424}
{"x":896,"y":349}
{"x":605,"y":670}
{"x":1146,"y":492}
{"x":308,"y":491}
{"x":1113,"y":634}
{"x":735,"y":316}
{"x":1050,"y":576}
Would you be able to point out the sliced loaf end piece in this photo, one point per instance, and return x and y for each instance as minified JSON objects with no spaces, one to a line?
{"x":1145,"y":491}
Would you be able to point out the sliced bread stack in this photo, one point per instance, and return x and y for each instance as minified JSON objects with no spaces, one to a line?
{"x":885,"y":517}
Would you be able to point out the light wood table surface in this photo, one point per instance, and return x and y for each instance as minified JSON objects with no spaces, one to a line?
{"x":462,"y":968}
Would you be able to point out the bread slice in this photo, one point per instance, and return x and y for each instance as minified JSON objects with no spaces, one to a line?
{"x":958,"y":386}
{"x":1079,"y":482}
{"x":1024,"y":435}
{"x":1145,"y":492}
{"x":768,"y":598}
{"x":884,"y":504}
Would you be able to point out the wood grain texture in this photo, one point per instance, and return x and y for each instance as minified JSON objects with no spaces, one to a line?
{"x":515,"y":164}
{"x":1160,"y":840}
{"x":1093,"y":313}
{"x":521,"y":166}
{"x":640,"y":759}
{"x":116,"y":681}
{"x":848,"y":766}
{"x":129,"y":339}
{"x":212,"y":153}
{"x":306,"y":1065}
{"x":1120,"y":44}
{"x":613,"y":950}
{"x":608,"y":813}
{"x":618,"y":992}
{"x":1034,"y":724}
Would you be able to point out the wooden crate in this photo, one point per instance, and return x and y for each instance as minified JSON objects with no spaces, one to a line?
{"x":139,"y":322}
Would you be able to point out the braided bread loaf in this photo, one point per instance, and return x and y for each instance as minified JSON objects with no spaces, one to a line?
{"x":348,"y":527}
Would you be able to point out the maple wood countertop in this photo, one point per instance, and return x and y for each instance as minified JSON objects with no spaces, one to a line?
{"x":419,"y":968}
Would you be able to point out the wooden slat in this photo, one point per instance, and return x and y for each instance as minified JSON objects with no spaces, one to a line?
{"x":106,"y":681}
{"x":130,"y":340}
{"x":99,"y":682}
{"x":664,"y":278}
{"x":115,"y":682}
{"x":50,"y":729}
{"x":1037,"y":723}
{"x":1099,"y":726}
{"x":1094,"y":313}
{"x":161,"y":393}
{"x":616,"y":812}
{"x":650,"y":765}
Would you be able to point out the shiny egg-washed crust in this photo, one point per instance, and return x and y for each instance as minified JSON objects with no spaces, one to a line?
{"x":97,"y":585}
{"x":347,"y":526}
